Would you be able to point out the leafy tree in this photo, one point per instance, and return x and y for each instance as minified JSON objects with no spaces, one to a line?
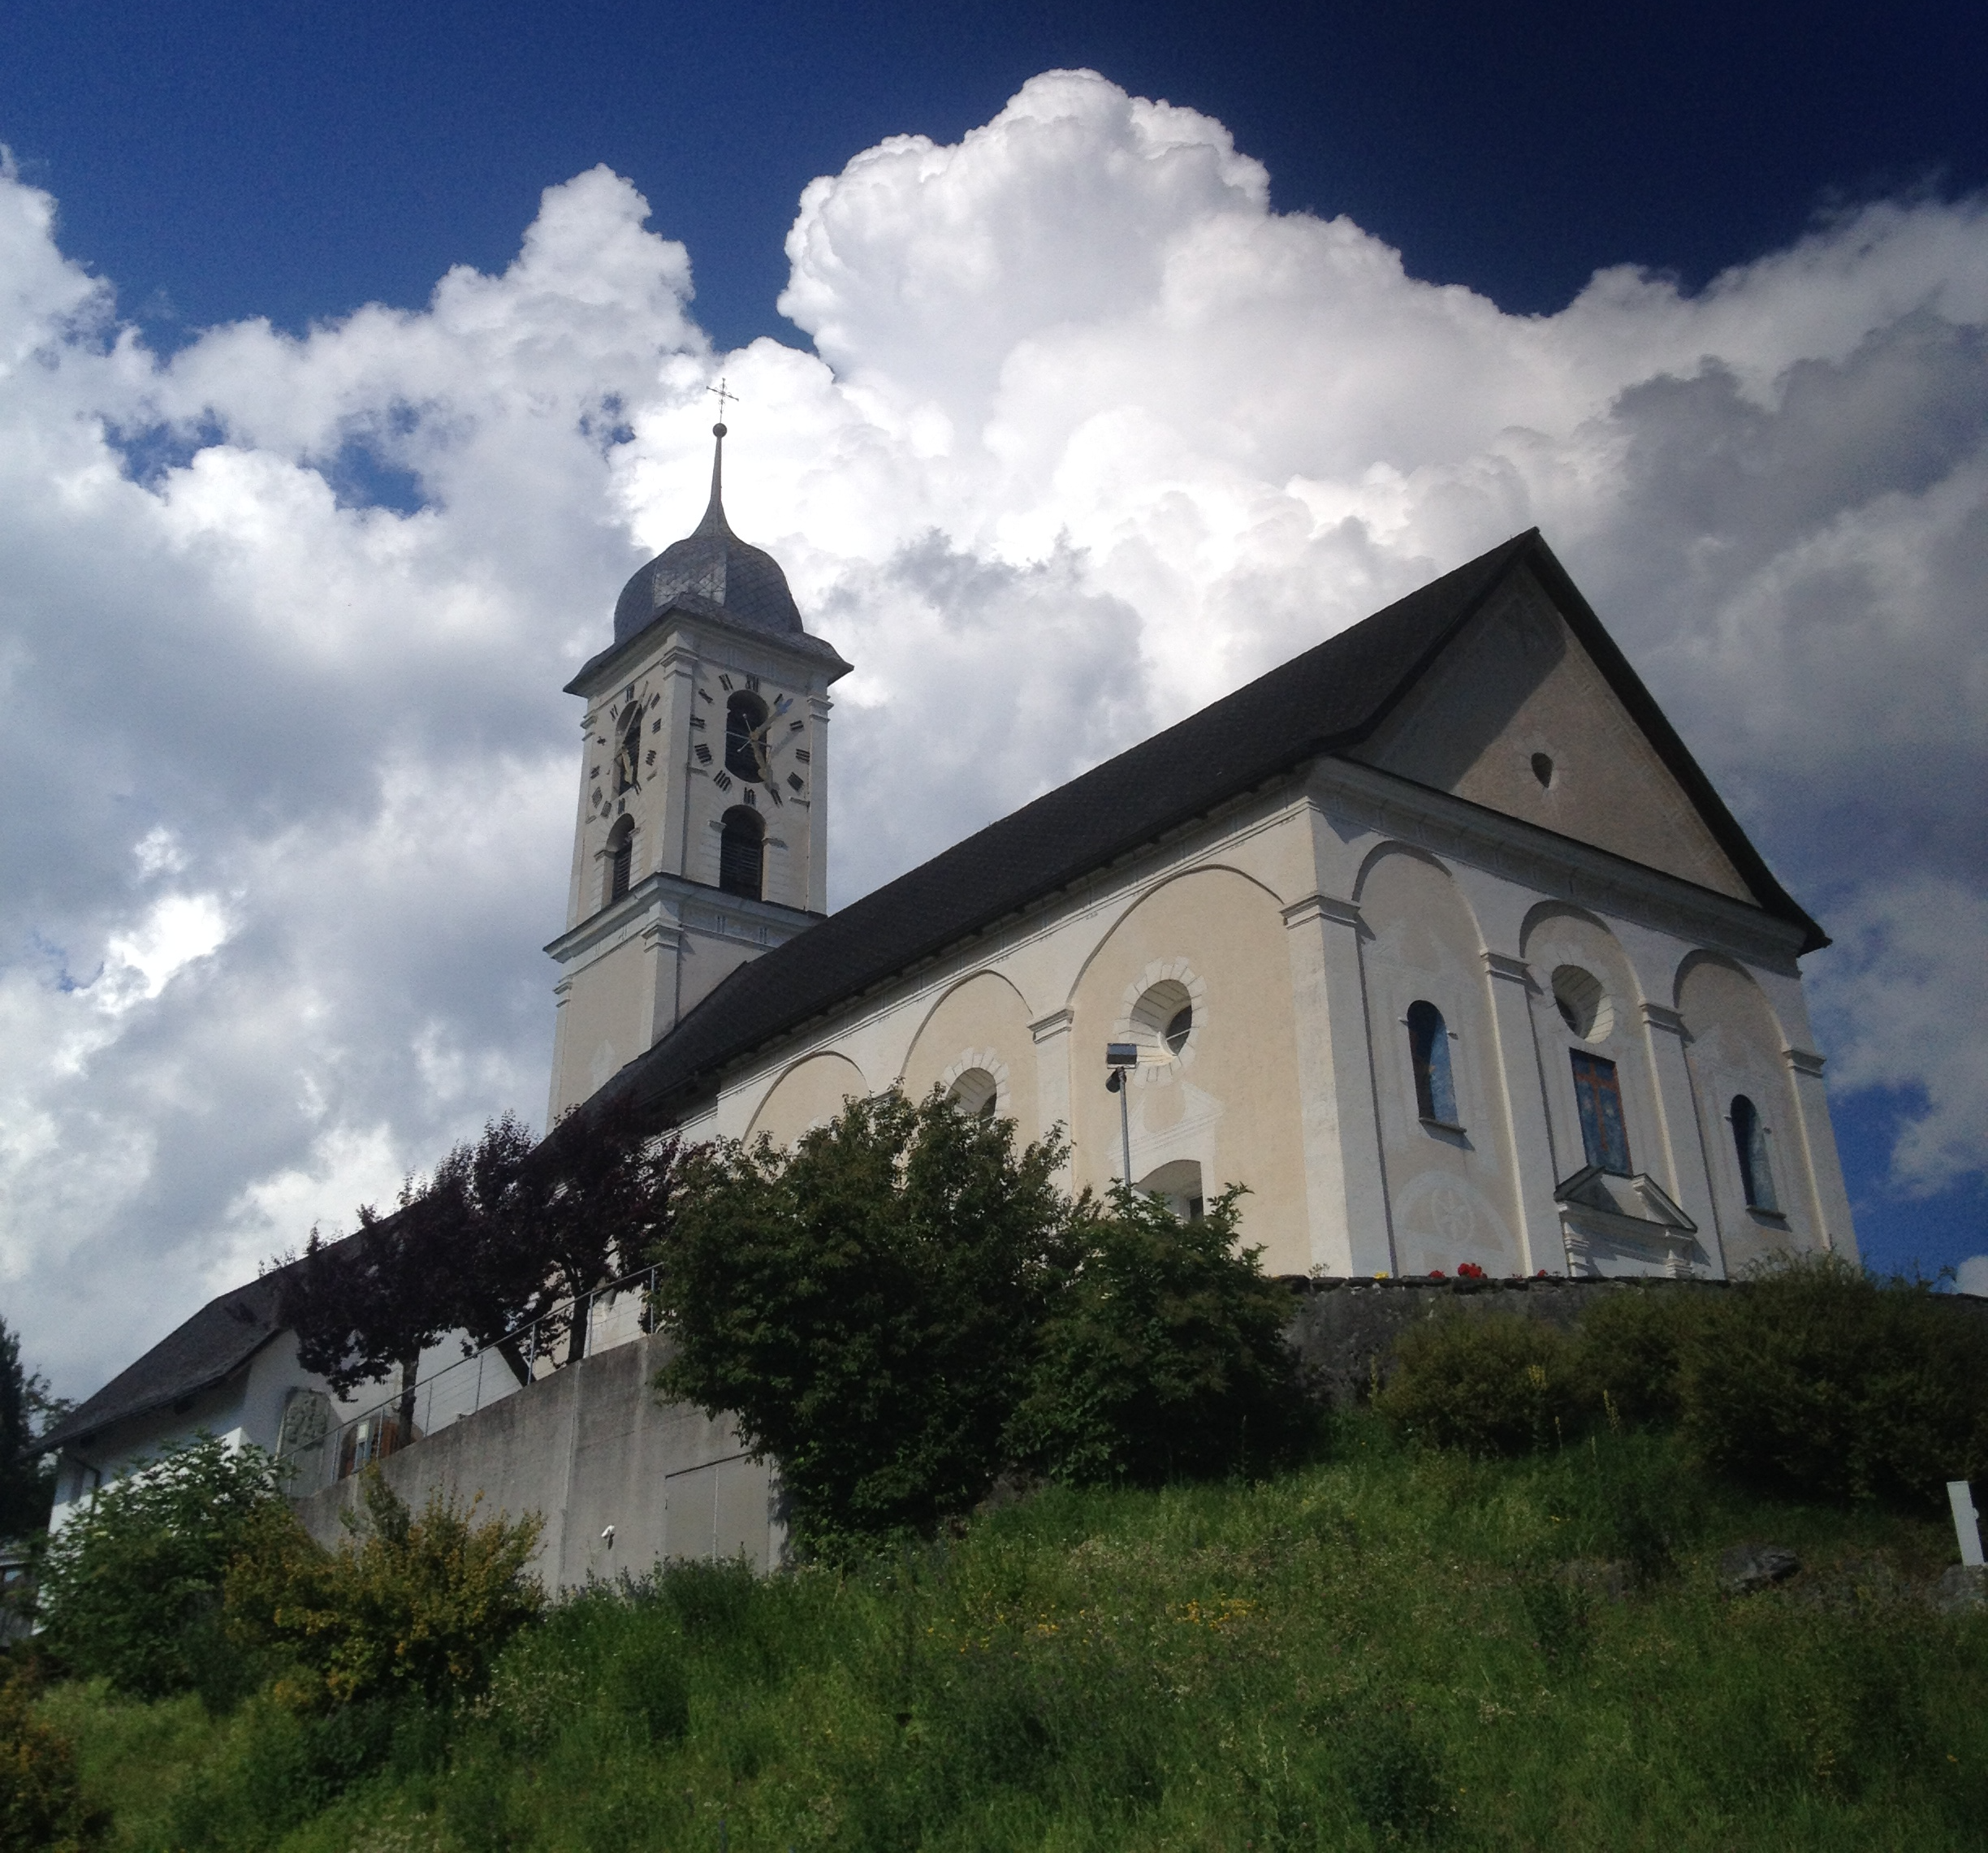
{"x":131,"y":1585}
{"x":413,"y":1607}
{"x":863,"y":1305}
{"x":1162,"y":1353}
{"x":538,"y":1229}
{"x":371,"y":1303}
{"x":27,"y":1410}
{"x":505,"y":1235}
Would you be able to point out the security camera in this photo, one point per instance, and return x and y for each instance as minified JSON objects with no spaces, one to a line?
{"x":607,"y":1537}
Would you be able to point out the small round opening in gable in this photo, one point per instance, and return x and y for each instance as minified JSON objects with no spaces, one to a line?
{"x":976,"y":1093}
{"x":1163,"y":1021}
{"x":1542,"y":769}
{"x":1584,"y":1005}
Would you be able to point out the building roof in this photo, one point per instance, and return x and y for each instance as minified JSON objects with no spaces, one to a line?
{"x":1329,"y":699}
{"x":217,"y":1341}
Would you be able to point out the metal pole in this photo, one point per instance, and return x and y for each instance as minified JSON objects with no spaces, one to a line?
{"x":1125,"y":1123}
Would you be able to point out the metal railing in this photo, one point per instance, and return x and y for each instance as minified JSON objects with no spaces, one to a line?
{"x":320,"y":1447}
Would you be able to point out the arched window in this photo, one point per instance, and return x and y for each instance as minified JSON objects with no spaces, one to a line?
{"x":1428,"y":1049}
{"x":620,"y":859}
{"x":741,"y":853}
{"x":628,"y":756}
{"x":1750,"y":1142}
{"x":1179,"y":1186}
{"x":745,"y":744}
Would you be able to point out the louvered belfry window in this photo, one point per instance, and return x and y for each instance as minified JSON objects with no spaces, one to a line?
{"x":741,"y":853}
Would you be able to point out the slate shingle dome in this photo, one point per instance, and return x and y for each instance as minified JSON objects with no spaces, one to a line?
{"x":710,"y":566}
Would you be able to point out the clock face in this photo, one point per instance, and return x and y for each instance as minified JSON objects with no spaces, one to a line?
{"x":761,"y":727}
{"x":619,"y":743}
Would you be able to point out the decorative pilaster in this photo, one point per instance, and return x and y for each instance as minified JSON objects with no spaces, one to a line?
{"x":819,"y":708}
{"x":1345,"y":1186}
{"x":1822,"y":1168}
{"x":1689,"y":1174}
{"x":1535,"y":1213}
{"x":1053,"y":1076}
{"x":671,"y":811}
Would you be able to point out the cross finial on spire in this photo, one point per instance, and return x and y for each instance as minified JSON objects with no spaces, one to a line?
{"x":724,"y":393}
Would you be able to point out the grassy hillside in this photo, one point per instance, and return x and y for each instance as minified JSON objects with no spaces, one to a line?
{"x":1387,"y":1647}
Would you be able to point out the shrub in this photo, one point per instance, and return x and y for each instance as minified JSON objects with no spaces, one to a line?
{"x":1631,"y":1344}
{"x":1163,"y":1354}
{"x":864,"y":1304}
{"x":1818,"y":1380}
{"x":1490,"y":1383}
{"x":41,"y":1807}
{"x":411,"y":1607}
{"x":130,"y":1587}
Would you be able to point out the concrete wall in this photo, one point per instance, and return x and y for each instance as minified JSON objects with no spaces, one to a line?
{"x":589,"y":1447}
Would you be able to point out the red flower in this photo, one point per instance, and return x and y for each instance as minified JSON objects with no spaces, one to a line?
{"x":1469,"y":1270}
{"x":1437,"y":1274}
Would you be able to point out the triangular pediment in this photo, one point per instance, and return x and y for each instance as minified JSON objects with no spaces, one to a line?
{"x":1517,"y":714}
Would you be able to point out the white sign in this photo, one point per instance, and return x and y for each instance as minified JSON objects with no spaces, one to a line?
{"x":1966,"y":1525}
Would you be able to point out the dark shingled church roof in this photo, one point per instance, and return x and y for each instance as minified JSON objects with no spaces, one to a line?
{"x":1329,"y":699}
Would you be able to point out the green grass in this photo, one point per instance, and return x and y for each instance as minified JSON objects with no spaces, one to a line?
{"x":1377,"y":1650}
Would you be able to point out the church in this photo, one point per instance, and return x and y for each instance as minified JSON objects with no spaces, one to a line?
{"x":1436,"y":939}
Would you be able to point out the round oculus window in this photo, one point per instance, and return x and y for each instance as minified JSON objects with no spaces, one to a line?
{"x":1582,"y":1004}
{"x":1163,"y":1021}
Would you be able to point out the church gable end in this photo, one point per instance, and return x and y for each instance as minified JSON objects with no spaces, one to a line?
{"x":1516,"y":714}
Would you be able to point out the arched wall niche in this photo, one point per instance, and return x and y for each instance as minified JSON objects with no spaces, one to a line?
{"x":1230,"y":1103}
{"x":1733,"y":1047}
{"x":1563,"y":947}
{"x":809,"y":1095}
{"x":1449,"y":1187}
{"x":983,"y":1016}
{"x":1152,"y":894}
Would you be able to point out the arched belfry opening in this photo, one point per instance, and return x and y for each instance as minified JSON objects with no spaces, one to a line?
{"x":620,"y":861}
{"x":741,"y":853}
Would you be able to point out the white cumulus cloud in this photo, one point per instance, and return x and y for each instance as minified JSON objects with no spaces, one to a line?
{"x":1077,"y":434}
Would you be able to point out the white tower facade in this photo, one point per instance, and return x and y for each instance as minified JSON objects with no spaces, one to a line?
{"x":701,"y":838}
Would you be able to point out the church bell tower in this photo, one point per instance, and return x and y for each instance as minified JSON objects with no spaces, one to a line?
{"x":702,"y":835}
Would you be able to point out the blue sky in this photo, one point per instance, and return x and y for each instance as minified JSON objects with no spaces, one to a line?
{"x":1703,"y":292}
{"x":223,"y":161}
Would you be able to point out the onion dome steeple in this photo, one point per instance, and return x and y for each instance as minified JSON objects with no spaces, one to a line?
{"x":710,"y":570}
